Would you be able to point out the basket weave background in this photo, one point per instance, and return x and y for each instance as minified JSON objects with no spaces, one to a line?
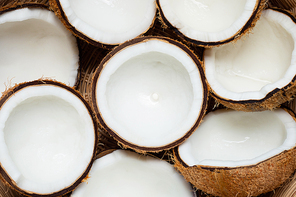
{"x":90,"y":57}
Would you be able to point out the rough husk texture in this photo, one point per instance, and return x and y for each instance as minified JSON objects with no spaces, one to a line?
{"x":271,"y":101}
{"x":241,"y":181}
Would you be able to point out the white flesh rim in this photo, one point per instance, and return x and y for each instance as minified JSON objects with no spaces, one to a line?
{"x":228,"y":138}
{"x":35,"y":44}
{"x":256,"y":64}
{"x":150,"y":93}
{"x":127,"y":174}
{"x":47,"y":138}
{"x":208,"y":21}
{"x":110,"y":22}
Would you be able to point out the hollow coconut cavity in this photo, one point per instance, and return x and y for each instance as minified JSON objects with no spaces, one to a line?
{"x":235,"y":153}
{"x":258,"y":71}
{"x":48,"y":138}
{"x":149,"y":93}
{"x":128,"y":174}
{"x":210,"y":23}
{"x":106,"y":23}
{"x":35,"y":44}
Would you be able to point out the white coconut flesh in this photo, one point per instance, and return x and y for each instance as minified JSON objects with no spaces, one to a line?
{"x":47,"y":138}
{"x":110,"y":21}
{"x":127,"y":174}
{"x":208,"y":21}
{"x":34,"y":44}
{"x":256,"y":64}
{"x":150,"y":94}
{"x":234,"y":138}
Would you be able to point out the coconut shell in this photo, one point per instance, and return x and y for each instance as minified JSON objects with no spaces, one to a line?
{"x":9,"y":93}
{"x":242,"y":181}
{"x":260,"y":5}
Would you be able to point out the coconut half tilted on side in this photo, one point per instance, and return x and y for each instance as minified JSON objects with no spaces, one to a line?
{"x":210,"y":23}
{"x":235,"y":153}
{"x":258,"y":71}
{"x":35,"y":44}
{"x":48,"y":138}
{"x":149,"y":93}
{"x":128,"y":174}
{"x":106,"y":22}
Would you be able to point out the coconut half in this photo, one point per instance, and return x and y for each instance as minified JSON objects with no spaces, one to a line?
{"x":106,"y":22}
{"x":149,"y":93}
{"x":48,"y":138}
{"x":128,"y":174}
{"x":258,"y":71}
{"x":35,"y":44}
{"x":210,"y":23}
{"x":235,"y":153}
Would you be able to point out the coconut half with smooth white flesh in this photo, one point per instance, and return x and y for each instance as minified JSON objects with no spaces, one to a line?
{"x":210,"y":23}
{"x":48,"y":138}
{"x":234,"y":153}
{"x":104,"y":22}
{"x":258,"y":71}
{"x":128,"y":174}
{"x":149,"y":93}
{"x":34,"y":45}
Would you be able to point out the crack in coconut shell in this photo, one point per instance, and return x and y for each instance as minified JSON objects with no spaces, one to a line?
{"x":5,"y":176}
{"x":246,"y":29}
{"x":242,"y":181}
{"x":121,"y":141}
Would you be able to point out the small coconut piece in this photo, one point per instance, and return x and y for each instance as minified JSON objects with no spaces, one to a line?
{"x":106,"y":23}
{"x":210,"y":23}
{"x":35,"y":44}
{"x":128,"y":174}
{"x":48,"y":138}
{"x":149,"y":93}
{"x":239,"y":154}
{"x":258,"y":71}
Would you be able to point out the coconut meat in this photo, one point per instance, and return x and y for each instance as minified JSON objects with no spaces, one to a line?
{"x":150,"y":94}
{"x":235,"y":138}
{"x":47,"y":139}
{"x":34,"y":45}
{"x":208,"y":21}
{"x":254,"y":66}
{"x":127,"y":174}
{"x":110,"y":21}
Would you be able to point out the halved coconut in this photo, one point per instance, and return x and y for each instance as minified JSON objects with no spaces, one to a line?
{"x":257,"y":72}
{"x":128,"y":174}
{"x":149,"y":93}
{"x":106,"y":22}
{"x":35,"y":44}
{"x":210,"y":23}
{"x":235,"y":153}
{"x":48,"y":138}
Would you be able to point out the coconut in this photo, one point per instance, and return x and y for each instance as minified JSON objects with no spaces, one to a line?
{"x":235,"y":153}
{"x":48,"y":138}
{"x":149,"y":93}
{"x":258,"y":71}
{"x":35,"y":44}
{"x":210,"y":23}
{"x":128,"y":174}
{"x":106,"y":23}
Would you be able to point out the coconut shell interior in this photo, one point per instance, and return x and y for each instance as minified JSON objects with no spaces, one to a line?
{"x":91,"y":56}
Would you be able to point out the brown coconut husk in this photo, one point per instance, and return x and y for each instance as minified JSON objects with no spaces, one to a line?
{"x":247,"y":28}
{"x":243,"y":181}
